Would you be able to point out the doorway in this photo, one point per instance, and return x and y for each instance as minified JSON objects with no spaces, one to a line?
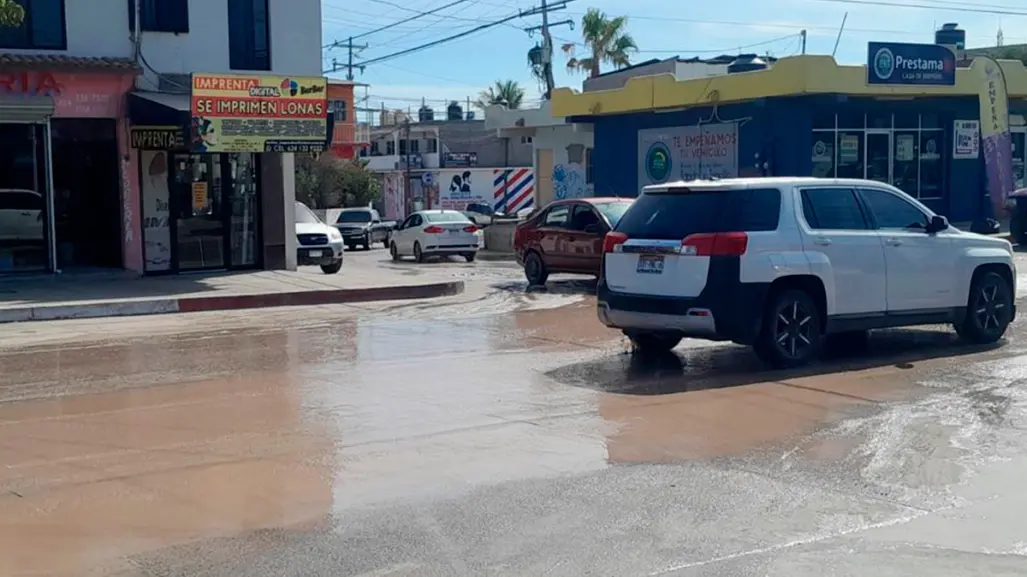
{"x":215,"y":207}
{"x":879,"y":156}
{"x":87,"y":193}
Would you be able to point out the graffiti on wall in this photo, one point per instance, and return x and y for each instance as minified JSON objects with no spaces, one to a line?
{"x":569,"y":181}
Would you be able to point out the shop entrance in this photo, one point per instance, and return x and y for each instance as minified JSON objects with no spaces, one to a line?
{"x":87,"y":193}
{"x":215,"y":208}
{"x":879,"y":156}
{"x":24,"y":227}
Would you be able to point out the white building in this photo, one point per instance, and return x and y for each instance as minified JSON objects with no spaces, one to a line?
{"x":562,"y":150}
{"x":76,"y":76}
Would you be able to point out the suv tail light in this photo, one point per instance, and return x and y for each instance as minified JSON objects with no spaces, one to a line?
{"x":471,"y":228}
{"x":434,"y":230}
{"x":612,"y":240}
{"x":715,"y":244}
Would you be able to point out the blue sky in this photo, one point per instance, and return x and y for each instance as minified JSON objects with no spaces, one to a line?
{"x":662,"y":28}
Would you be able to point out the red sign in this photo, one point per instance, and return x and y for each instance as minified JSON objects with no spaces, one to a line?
{"x":30,"y":82}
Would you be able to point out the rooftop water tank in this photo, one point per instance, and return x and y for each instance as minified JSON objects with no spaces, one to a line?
{"x":454,"y":111}
{"x":425,"y":113}
{"x":747,"y":63}
{"x":951,"y":35}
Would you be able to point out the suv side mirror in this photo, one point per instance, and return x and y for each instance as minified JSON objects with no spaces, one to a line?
{"x":937,"y":224}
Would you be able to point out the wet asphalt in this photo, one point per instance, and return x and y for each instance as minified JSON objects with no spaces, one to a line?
{"x":503,"y":431}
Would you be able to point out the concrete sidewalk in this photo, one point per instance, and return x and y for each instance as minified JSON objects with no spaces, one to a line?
{"x":67,"y":296}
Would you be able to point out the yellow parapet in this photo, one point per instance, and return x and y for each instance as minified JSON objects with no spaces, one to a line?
{"x":792,"y":76}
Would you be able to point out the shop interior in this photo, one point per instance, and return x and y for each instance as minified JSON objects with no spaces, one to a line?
{"x":23,"y":214}
{"x":87,"y":193}
{"x":215,"y":209}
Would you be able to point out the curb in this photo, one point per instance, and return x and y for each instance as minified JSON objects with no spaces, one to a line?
{"x":228,"y":302}
{"x":494,"y":256}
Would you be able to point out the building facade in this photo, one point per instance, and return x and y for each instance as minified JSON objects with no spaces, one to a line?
{"x":349,"y":136}
{"x":108,"y":163}
{"x":806,"y":116}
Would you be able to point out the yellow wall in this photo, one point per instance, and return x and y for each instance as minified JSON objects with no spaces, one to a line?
{"x":791,"y":76}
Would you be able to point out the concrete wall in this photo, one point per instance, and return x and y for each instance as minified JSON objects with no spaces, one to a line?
{"x":499,"y":235}
{"x":278,"y":206}
{"x":101,"y":28}
{"x":569,"y":179}
{"x":614,"y":80}
{"x":472,"y":136}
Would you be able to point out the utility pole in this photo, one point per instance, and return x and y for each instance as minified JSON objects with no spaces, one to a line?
{"x":547,"y":41}
{"x":409,"y":185}
{"x":803,"y":35}
{"x":349,"y":66}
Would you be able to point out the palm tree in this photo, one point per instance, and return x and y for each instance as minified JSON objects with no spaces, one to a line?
{"x":506,"y":92}
{"x":11,"y":13}
{"x":606,"y":39}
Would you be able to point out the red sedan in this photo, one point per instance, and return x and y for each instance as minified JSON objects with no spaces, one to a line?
{"x":567,"y":237}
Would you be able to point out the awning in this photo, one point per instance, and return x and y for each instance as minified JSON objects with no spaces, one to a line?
{"x":159,"y":109}
{"x":25,"y":107}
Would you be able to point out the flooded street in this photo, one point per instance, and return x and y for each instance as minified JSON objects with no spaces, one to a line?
{"x":499,"y":432}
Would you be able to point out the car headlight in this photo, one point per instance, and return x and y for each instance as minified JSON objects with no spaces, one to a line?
{"x":334,"y":234}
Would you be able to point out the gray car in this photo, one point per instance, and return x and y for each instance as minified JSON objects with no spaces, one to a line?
{"x":363,"y":226}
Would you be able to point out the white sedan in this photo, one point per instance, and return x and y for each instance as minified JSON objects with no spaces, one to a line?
{"x":435,"y":233}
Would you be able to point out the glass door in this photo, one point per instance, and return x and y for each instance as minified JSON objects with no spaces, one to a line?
{"x":879,"y":156}
{"x":1019,"y":157}
{"x":199,"y":225}
{"x":243,"y":205}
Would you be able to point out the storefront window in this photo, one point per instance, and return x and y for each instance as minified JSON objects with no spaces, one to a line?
{"x":904,"y":150}
{"x":243,"y":198}
{"x":1019,"y":142}
{"x":823,"y":154}
{"x":199,"y":228}
{"x":23,"y":199}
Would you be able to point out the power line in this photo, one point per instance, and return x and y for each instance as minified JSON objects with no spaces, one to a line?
{"x":969,"y":9}
{"x":519,"y":14}
{"x":705,"y":50}
{"x":405,"y":20}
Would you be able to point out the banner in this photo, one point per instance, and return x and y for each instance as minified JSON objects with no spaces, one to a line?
{"x":235,"y":113}
{"x":688,"y":153}
{"x":996,"y":141}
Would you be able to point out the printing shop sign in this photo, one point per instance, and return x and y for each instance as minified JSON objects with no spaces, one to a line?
{"x":687,"y":153}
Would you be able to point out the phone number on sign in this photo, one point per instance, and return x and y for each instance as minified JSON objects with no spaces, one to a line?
{"x":283,"y":146}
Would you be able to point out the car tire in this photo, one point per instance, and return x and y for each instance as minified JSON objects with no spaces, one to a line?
{"x":386,"y":242}
{"x":535,"y":269}
{"x":418,"y":255}
{"x":469,"y":257}
{"x":394,"y":251}
{"x":367,"y":242}
{"x":791,"y":334}
{"x":332,"y":268}
{"x":351,"y":246}
{"x":652,"y":342}
{"x":989,"y":309}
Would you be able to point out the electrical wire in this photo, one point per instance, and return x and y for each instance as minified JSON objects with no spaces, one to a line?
{"x":969,"y":9}
{"x":405,"y":20}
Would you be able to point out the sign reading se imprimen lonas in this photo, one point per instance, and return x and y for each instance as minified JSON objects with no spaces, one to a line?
{"x":687,"y":153}
{"x":910,"y":64}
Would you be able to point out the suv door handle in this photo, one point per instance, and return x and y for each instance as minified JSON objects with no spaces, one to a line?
{"x":822,"y":241}
{"x":892,"y":242}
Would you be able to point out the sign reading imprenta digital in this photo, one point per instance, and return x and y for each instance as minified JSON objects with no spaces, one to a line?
{"x":157,"y":137}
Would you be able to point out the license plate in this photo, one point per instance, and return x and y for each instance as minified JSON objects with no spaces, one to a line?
{"x":455,"y":231}
{"x":314,"y":253}
{"x":650,"y":264}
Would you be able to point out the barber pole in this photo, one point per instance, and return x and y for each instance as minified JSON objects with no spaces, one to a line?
{"x":513,"y":189}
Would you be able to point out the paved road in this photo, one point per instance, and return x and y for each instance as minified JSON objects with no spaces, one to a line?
{"x":500,"y":432}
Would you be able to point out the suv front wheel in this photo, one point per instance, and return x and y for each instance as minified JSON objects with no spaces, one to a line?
{"x":989,"y":310}
{"x":791,"y":333}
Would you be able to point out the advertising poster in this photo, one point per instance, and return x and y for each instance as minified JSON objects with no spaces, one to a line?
{"x":966,"y":139}
{"x":156,"y":225}
{"x":688,"y":153}
{"x":459,"y":187}
{"x":235,"y":113}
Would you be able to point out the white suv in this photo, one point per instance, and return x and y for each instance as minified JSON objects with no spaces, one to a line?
{"x":780,"y":263}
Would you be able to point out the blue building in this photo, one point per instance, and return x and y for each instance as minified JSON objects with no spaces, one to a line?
{"x":805,"y":116}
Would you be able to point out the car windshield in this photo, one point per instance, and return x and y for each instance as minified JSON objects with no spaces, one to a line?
{"x":354,"y":216}
{"x":613,"y":211}
{"x":677,"y":214}
{"x":304,"y":215}
{"x":446,"y":216}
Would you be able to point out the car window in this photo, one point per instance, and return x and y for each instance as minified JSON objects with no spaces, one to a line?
{"x":446,"y":216}
{"x":557,"y":216}
{"x":304,"y":215}
{"x":582,"y":216}
{"x":357,"y":216}
{"x":832,"y":209}
{"x":678,"y":213}
{"x":892,"y":211}
{"x":613,"y":211}
{"x":415,"y":220}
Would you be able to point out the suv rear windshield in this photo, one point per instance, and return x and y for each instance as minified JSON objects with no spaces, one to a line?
{"x":675,"y":215}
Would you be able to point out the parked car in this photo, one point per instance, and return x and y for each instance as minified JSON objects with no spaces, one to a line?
{"x":566,"y":237}
{"x":318,"y":243}
{"x":782,"y":263}
{"x":480,"y":213}
{"x":363,"y":226}
{"x":428,"y":233}
{"x":21,"y":216}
